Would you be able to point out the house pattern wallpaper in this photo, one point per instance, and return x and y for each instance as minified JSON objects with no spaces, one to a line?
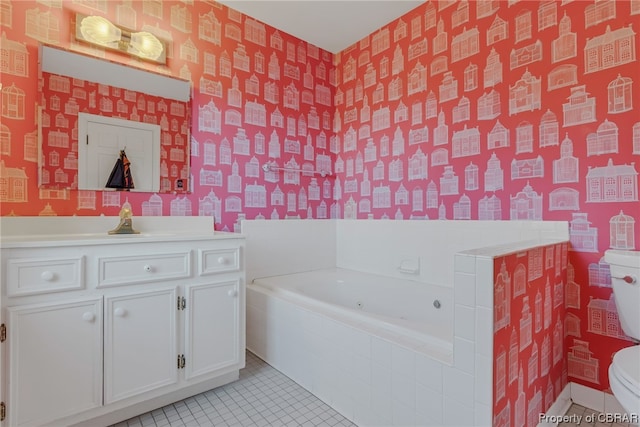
{"x":529,"y":363}
{"x":490,"y":110}
{"x":504,"y":110}
{"x":63,"y":97}
{"x":260,"y":97}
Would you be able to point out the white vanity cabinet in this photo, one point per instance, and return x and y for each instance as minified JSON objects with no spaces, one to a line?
{"x":212,"y":328}
{"x":100,"y":329}
{"x":140,"y":343}
{"x":55,"y":360}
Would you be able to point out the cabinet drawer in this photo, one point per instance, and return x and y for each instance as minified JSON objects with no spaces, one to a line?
{"x":214,"y":261}
{"x":27,"y":276}
{"x":125,"y":270}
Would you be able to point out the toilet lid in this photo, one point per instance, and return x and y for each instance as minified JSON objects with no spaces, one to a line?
{"x":627,"y":366}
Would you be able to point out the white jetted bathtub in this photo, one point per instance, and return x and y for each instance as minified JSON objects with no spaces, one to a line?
{"x":353,"y":338}
{"x":407,"y":312}
{"x":373,"y":345}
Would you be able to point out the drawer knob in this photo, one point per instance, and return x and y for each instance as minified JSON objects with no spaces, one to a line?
{"x":120,"y":312}
{"x":148,"y":268}
{"x":232,"y":293}
{"x":223,"y":260}
{"x":88,"y":317}
{"x":48,"y":276}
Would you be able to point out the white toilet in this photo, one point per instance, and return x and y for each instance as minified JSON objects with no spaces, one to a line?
{"x":624,"y":372}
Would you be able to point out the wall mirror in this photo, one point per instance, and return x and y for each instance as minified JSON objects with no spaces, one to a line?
{"x":92,"y":109}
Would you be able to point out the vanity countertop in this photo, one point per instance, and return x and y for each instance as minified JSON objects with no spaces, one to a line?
{"x":24,"y":232}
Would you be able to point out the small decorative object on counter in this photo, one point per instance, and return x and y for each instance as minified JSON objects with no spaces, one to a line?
{"x":126,"y":221}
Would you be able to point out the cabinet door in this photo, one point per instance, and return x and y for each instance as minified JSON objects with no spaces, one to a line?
{"x":212,"y":327}
{"x":55,"y":360}
{"x":140,"y":343}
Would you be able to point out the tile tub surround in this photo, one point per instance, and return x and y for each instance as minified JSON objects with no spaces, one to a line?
{"x":380,"y":246}
{"x":288,"y":246}
{"x":370,"y":380}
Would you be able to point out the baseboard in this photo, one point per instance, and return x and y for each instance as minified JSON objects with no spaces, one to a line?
{"x":554,"y":414}
{"x":597,"y":400}
{"x":588,"y":397}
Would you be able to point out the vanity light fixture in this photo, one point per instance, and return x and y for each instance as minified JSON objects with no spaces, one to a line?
{"x":100,"y":31}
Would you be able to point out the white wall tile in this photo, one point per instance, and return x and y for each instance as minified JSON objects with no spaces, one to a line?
{"x":464,"y":319}
{"x":484,"y":380}
{"x":464,"y":355}
{"x":484,"y":331}
{"x":403,"y":414}
{"x":381,"y":392}
{"x":362,"y":368}
{"x":429,"y":406}
{"x":381,"y":352}
{"x":364,"y":415}
{"x":381,"y":380}
{"x":465,"y":288}
{"x":429,"y":373}
{"x":342,"y":399}
{"x":283,"y":247}
{"x":464,"y":264}
{"x":360,"y":343}
{"x":483,"y":416}
{"x":457,"y":414}
{"x":403,"y":361}
{"x":484,"y":282}
{"x":403,"y":389}
{"x":458,"y":385}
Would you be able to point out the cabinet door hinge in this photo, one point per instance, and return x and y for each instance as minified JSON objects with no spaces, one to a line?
{"x":3,"y":411}
{"x":182,"y":303}
{"x":181,"y":361}
{"x":3,"y":333}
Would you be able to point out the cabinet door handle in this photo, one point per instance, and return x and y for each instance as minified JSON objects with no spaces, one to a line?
{"x":120,"y":312}
{"x":222,"y":260}
{"x":48,"y":276}
{"x":148,"y":268}
{"x":88,"y":316}
{"x":232,"y":293}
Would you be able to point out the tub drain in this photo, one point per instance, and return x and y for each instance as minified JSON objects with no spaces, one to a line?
{"x":360,"y":305}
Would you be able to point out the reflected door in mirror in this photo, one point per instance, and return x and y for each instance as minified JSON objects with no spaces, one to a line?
{"x":100,"y":141}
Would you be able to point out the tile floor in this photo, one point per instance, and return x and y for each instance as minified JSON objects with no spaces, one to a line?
{"x":584,"y":417}
{"x":264,"y":397}
{"x":261,"y":397}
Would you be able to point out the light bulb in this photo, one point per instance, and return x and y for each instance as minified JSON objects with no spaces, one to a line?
{"x":146,"y":45}
{"x":97,"y":29}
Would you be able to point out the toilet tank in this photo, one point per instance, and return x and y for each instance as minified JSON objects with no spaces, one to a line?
{"x":625,"y":279}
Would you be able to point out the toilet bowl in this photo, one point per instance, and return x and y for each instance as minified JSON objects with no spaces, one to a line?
{"x":624,"y":372}
{"x":624,"y":379}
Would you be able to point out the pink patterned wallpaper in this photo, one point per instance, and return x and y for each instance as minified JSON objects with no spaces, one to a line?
{"x":492,"y":110}
{"x":260,"y":96}
{"x":504,"y":110}
{"x":530,"y":367}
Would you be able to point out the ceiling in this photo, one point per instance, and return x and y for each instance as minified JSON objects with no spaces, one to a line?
{"x":332,"y":25}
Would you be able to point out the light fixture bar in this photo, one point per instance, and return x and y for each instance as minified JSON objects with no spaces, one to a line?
{"x":99,"y":31}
